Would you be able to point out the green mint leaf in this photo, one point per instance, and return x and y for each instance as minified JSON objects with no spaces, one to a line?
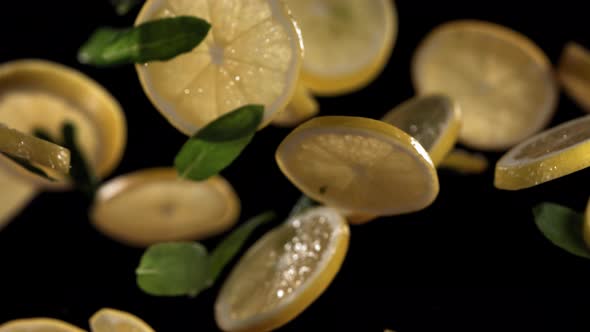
{"x":217,"y":145}
{"x":122,"y":7}
{"x":80,"y":172}
{"x":562,"y":226}
{"x":28,"y":166}
{"x":303,"y":203}
{"x":173,"y":269}
{"x":232,"y":244}
{"x":156,"y":40}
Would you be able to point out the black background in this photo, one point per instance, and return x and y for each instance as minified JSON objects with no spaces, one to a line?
{"x":473,"y":261}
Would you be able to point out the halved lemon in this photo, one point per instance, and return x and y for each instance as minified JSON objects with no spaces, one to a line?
{"x":283,"y":272}
{"x":433,"y":120}
{"x":155,"y":205}
{"x":466,"y":162}
{"x":252,"y":55}
{"x":556,"y":152}
{"x":347,"y":42}
{"x":573,"y":72}
{"x":38,"y":325}
{"x":301,"y":107}
{"x":111,"y":320}
{"x":38,"y":94}
{"x":502,"y":80}
{"x":359,"y":164}
{"x":15,"y":194}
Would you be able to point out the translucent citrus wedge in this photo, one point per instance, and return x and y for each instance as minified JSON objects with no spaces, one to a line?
{"x":111,"y":320}
{"x":573,"y":72}
{"x":15,"y":194}
{"x":347,"y":42}
{"x":37,"y":94}
{"x":433,"y":120}
{"x":556,"y":152}
{"x":502,"y":80}
{"x":252,"y":55}
{"x":301,"y":107}
{"x":465,"y":162}
{"x":38,"y":325}
{"x":283,"y":272}
{"x":154,"y":205}
{"x":359,"y":164}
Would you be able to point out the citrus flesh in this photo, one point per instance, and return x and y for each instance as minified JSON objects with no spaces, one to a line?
{"x":573,"y":72}
{"x":283,"y":272}
{"x":502,"y":80}
{"x":252,"y":55}
{"x":155,"y":205}
{"x":359,"y":164}
{"x":111,"y":320}
{"x":38,"y":325}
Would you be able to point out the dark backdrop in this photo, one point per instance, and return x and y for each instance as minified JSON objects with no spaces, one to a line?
{"x":473,"y":261}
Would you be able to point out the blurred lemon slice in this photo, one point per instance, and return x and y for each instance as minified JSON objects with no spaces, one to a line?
{"x":586,"y":227}
{"x":502,"y":80}
{"x":347,"y":42}
{"x":301,"y":107}
{"x":110,"y":320}
{"x":15,"y":194}
{"x":556,"y":152}
{"x":252,"y":55}
{"x":359,"y":164}
{"x":433,"y":120}
{"x":283,"y":272}
{"x":465,"y":162}
{"x":573,"y":72}
{"x":37,"y":94}
{"x":38,"y":325}
{"x":154,"y":205}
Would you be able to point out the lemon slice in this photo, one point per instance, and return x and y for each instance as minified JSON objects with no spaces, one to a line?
{"x":38,"y":325}
{"x":347,"y":42}
{"x":556,"y":152}
{"x":433,"y":120}
{"x":154,"y":205}
{"x":465,"y":162}
{"x":15,"y":194}
{"x":574,"y":73}
{"x":37,"y":94}
{"x":283,"y":272}
{"x":110,"y":320}
{"x":359,"y":164}
{"x":301,"y":107}
{"x":586,"y":226}
{"x":252,"y":55}
{"x":502,"y":80}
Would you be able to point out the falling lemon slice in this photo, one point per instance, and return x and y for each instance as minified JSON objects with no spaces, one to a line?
{"x":574,"y":73}
{"x":551,"y":154}
{"x":252,"y":55}
{"x":586,"y":226}
{"x":38,"y":325}
{"x":347,"y":42}
{"x":37,"y":94}
{"x":283,"y":272}
{"x":465,"y":162}
{"x":155,"y":205}
{"x":15,"y":194}
{"x":302,"y":107}
{"x":111,"y":320}
{"x":502,"y":80}
{"x":433,"y":120}
{"x":359,"y":164}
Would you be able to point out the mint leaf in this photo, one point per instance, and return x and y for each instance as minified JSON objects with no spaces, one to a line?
{"x":173,"y":269}
{"x":81,"y":172}
{"x":122,"y":7}
{"x":562,"y":226}
{"x":217,"y":145}
{"x":232,"y":244}
{"x":156,"y":40}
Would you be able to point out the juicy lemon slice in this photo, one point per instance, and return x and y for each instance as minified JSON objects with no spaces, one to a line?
{"x":465,"y":162}
{"x":154,"y":205}
{"x":434,"y":121}
{"x":301,"y":107}
{"x":502,"y":80}
{"x":556,"y":152}
{"x":38,"y":325}
{"x":359,"y":164}
{"x":110,"y":320}
{"x":347,"y":42}
{"x":283,"y":272}
{"x":574,"y":73}
{"x":252,"y":55}
{"x":15,"y":194}
{"x":37,"y":94}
